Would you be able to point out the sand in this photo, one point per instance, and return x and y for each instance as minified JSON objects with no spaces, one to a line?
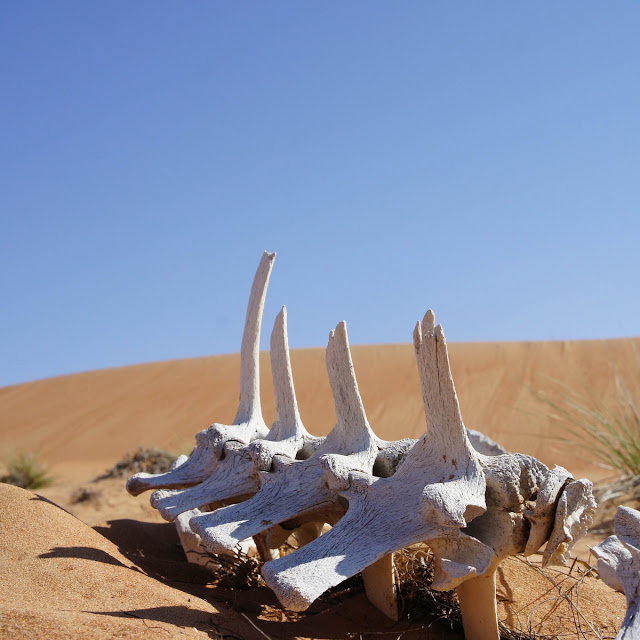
{"x":61,"y":578}
{"x":114,"y":569}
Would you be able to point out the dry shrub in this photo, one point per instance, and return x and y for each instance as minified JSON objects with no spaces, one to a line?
{"x":414,"y":568}
{"x":84,"y":495}
{"x":235,"y":571}
{"x":150,"y":460}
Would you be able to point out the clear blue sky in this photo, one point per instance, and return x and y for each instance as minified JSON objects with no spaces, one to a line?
{"x":479,"y":158}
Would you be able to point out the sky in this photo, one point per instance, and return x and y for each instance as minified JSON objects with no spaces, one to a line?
{"x":479,"y":159}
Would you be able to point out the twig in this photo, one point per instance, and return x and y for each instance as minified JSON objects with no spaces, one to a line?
{"x":255,"y":626}
{"x":564,"y":595}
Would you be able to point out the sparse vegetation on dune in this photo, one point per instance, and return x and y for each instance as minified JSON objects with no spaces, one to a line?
{"x":608,"y":434}
{"x":27,"y":471}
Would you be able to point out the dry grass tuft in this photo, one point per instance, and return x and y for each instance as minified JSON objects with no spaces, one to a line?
{"x":414,"y":568}
{"x":27,"y":471}
{"x":610,"y":434}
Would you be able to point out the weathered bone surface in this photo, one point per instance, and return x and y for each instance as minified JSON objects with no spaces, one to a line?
{"x":248,"y":424}
{"x":236,"y":475}
{"x":295,"y":489}
{"x":472,"y":509}
{"x":439,"y":487}
{"x":619,"y":567}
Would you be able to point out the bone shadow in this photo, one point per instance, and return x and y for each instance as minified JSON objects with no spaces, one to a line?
{"x":341,"y":614}
{"x":178,"y":616}
{"x":83,"y":553}
{"x":154,"y":547}
{"x":37,"y":497}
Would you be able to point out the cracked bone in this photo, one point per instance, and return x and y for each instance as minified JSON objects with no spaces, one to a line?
{"x":248,"y":424}
{"x":236,"y":475}
{"x":437,"y":496}
{"x":294,"y":490}
{"x":619,"y":567}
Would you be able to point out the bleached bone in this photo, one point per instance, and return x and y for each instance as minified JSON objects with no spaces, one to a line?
{"x":287,"y":436}
{"x":293,"y":491}
{"x":437,"y":490}
{"x":248,"y":424}
{"x":528,"y":505}
{"x":195,"y":552}
{"x":619,"y":567}
{"x":236,"y":475}
{"x":190,"y":542}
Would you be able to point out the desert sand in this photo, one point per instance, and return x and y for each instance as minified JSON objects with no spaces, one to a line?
{"x":83,"y":559}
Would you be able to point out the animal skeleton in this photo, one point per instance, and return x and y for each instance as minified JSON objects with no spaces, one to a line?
{"x":453,"y":489}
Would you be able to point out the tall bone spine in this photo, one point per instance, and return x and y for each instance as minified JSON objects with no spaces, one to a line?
{"x":248,"y":424}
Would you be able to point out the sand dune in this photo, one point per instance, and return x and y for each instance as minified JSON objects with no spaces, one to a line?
{"x":84,"y":422}
{"x":127,"y":577}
